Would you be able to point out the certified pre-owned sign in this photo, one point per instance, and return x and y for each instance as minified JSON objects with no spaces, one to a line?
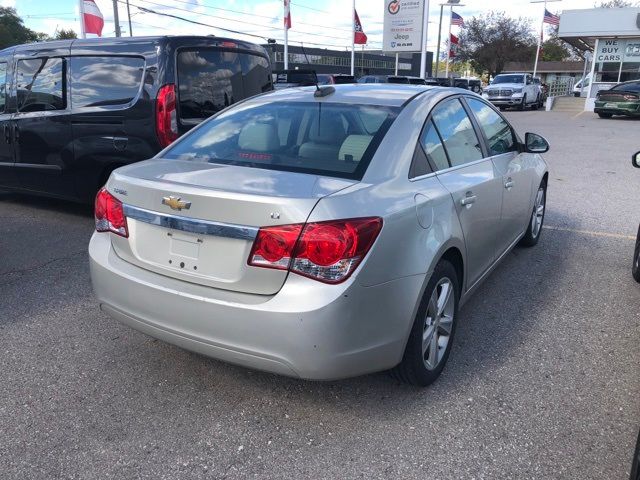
{"x":402,"y":31}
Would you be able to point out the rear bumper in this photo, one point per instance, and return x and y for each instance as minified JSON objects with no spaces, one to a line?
{"x":308,"y":329}
{"x":620,"y":108}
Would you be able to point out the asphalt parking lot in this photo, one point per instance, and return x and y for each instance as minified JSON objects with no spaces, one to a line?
{"x":543,"y":381}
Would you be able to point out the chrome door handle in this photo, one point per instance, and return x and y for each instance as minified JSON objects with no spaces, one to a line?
{"x":468,"y":200}
{"x":508,"y":184}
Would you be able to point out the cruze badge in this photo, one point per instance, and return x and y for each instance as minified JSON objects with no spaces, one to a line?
{"x":175,"y":203}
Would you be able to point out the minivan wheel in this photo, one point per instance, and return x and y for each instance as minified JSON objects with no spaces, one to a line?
{"x":433,"y":329}
{"x":534,"y":229}
{"x":635,"y":269}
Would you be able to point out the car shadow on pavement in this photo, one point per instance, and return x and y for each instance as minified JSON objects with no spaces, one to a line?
{"x":25,"y":201}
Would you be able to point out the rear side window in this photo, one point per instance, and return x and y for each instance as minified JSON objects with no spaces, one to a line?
{"x":3,"y":88}
{"x":41,"y":85}
{"x":322,"y":138}
{"x":101,"y":81}
{"x":430,"y":141}
{"x":498,"y":132}
{"x":457,"y":133}
{"x":212,"y":79}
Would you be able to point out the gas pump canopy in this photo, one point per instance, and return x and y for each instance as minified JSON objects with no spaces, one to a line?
{"x":613,"y":35}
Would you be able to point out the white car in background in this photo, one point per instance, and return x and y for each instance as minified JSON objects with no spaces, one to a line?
{"x":514,"y":90}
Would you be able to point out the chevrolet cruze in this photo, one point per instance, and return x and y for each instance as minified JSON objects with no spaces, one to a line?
{"x":320,"y":232}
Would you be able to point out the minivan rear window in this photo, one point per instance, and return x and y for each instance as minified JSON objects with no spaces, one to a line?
{"x":210,"y":79}
{"x":331,"y":139}
{"x":102,"y":81}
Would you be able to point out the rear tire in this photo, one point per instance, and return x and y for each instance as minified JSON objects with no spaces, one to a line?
{"x":605,"y":115}
{"x":532,"y":235}
{"x":431,"y":336}
{"x":635,"y":268}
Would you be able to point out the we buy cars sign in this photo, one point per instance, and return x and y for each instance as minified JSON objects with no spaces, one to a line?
{"x":402,"y":29}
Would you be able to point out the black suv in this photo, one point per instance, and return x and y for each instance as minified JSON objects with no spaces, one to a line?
{"x":72,"y":111}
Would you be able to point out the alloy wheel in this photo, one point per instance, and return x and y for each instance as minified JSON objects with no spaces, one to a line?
{"x":538,"y":213}
{"x":438,"y":323}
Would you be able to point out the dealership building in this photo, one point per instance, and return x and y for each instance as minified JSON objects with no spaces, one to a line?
{"x":324,"y":60}
{"x":613,"y":35}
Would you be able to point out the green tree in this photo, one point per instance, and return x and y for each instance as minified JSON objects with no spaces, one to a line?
{"x":490,"y":41}
{"x":616,"y":4}
{"x":555,"y":50}
{"x":63,"y":34}
{"x":12,"y":29}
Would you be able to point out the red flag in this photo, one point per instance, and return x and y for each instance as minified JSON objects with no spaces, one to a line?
{"x":359,"y":37}
{"x":93,"y":21}
{"x":287,"y":14}
{"x":453,"y":45}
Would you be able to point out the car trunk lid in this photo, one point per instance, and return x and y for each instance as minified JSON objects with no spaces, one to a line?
{"x":196,"y":221}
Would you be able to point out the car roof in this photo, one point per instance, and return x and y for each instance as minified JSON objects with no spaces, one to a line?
{"x":111,"y":41}
{"x":385,"y":94}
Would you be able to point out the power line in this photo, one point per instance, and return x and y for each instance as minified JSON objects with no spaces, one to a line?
{"x":269,"y":27}
{"x":185,"y":2}
{"x":177,"y":17}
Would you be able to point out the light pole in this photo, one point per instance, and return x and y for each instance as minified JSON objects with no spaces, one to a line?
{"x":451,"y":3}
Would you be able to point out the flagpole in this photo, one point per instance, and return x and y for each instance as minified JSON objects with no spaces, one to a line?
{"x":449,"y":42}
{"x":286,"y":36}
{"x":396,"y":74}
{"x":535,"y":65}
{"x":353,"y":35}
{"x":82,"y":30}
{"x":424,"y":38}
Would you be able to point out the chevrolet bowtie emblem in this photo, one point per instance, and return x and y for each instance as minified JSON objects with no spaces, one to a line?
{"x":175,"y":203}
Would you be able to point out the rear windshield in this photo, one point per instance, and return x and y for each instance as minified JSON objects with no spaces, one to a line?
{"x":210,"y":79}
{"x":628,"y":87}
{"x":331,"y":139}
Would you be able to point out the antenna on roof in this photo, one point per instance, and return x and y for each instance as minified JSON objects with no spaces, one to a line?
{"x":323,"y":91}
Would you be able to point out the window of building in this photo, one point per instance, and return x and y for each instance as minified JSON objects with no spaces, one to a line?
{"x":41,"y":85}
{"x":100,"y":81}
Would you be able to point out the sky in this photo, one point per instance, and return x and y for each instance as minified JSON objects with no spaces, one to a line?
{"x":323,"y":24}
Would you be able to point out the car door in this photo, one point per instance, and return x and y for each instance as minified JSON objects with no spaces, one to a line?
{"x":7,"y":174}
{"x":505,"y":154}
{"x":472,"y":181}
{"x":42,"y":123}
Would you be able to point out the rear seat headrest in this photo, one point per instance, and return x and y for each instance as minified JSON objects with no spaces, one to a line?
{"x":353,"y":147}
{"x":259,"y":137}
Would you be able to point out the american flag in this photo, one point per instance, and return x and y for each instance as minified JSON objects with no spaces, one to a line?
{"x":550,"y":18}
{"x":456,"y":19}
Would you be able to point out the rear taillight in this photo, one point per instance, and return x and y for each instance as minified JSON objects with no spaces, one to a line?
{"x":109,"y":214}
{"x":166,"y":115}
{"x":325,"y":251}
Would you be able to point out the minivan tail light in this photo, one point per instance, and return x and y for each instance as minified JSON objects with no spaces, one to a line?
{"x":166,"y":115}
{"x":325,"y":251}
{"x":109,"y":214}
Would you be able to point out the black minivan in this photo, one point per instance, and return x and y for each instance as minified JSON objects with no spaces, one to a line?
{"x":72,"y":111}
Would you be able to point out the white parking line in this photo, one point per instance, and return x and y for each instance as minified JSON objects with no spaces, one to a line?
{"x":591,"y":232}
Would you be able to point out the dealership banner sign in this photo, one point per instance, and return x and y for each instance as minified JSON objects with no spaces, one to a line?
{"x":402,"y":30}
{"x":618,"y":50}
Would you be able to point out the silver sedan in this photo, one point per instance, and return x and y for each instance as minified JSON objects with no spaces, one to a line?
{"x":320,"y":233}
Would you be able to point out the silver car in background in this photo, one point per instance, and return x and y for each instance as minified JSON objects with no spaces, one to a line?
{"x":320,"y":233}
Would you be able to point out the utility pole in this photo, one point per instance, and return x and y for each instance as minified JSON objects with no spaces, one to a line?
{"x":116,"y":19}
{"x":129,"y":15}
{"x":423,"y":45}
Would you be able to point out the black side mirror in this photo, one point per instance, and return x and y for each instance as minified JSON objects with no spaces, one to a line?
{"x":534,"y":143}
{"x":635,"y":160}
